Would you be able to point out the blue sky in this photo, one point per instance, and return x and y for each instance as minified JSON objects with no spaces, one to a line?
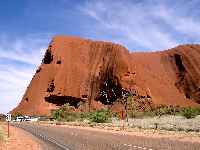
{"x":27,"y":26}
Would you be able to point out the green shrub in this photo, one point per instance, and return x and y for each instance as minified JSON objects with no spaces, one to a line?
{"x":157,"y":111}
{"x":70,"y":116}
{"x":100,"y":116}
{"x":61,"y":115}
{"x":166,"y":110}
{"x":198,"y":110}
{"x":190,"y":112}
{"x":65,"y":113}
{"x":160,"y":111}
{"x":56,"y":114}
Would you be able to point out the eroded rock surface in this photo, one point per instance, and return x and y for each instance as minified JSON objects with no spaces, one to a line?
{"x":95,"y":74}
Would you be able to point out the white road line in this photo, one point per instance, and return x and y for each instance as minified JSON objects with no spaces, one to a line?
{"x":138,"y":147}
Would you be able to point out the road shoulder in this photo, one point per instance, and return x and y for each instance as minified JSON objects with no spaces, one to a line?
{"x":21,"y":140}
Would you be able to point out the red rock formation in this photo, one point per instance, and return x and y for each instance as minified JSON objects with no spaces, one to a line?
{"x":77,"y":71}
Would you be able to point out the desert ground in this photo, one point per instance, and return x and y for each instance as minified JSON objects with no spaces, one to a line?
{"x":18,"y":140}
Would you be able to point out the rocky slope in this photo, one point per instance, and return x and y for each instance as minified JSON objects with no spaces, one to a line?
{"x":91,"y":74}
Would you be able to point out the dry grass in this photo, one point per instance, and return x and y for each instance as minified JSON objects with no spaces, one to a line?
{"x":166,"y":122}
{"x":2,"y":133}
{"x":2,"y":136}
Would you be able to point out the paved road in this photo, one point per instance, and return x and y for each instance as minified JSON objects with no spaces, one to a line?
{"x":81,"y":139}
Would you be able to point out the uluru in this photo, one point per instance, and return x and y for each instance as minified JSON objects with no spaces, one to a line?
{"x":86,"y":73}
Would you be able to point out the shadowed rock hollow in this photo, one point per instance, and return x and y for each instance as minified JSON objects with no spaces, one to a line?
{"x":92,"y":74}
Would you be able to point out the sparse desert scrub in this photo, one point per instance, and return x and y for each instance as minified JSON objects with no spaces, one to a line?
{"x":161,"y":118}
{"x":187,"y":112}
{"x":157,"y":111}
{"x":165,"y":122}
{"x":190,"y":112}
{"x":100,"y":116}
{"x":67,"y":113}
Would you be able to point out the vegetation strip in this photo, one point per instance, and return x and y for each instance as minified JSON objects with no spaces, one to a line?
{"x":67,"y":113}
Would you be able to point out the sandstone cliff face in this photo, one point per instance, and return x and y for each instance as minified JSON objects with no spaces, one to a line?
{"x":88,"y":73}
{"x":185,"y":63}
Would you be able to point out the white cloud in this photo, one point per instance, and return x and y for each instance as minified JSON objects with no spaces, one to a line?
{"x":21,"y":50}
{"x":13,"y":85}
{"x":187,"y":25}
{"x":19,"y":59}
{"x":153,"y":25}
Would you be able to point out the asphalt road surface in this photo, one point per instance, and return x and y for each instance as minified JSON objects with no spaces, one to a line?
{"x":66,"y":138}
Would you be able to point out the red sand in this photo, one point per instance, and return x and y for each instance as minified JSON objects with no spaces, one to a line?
{"x":21,"y":140}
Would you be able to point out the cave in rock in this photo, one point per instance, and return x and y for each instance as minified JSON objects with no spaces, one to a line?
{"x":48,"y":57}
{"x":179,"y":63}
{"x":185,"y":81}
{"x":58,"y":62}
{"x":51,"y":86}
{"x":109,"y":89}
{"x":61,"y":100}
